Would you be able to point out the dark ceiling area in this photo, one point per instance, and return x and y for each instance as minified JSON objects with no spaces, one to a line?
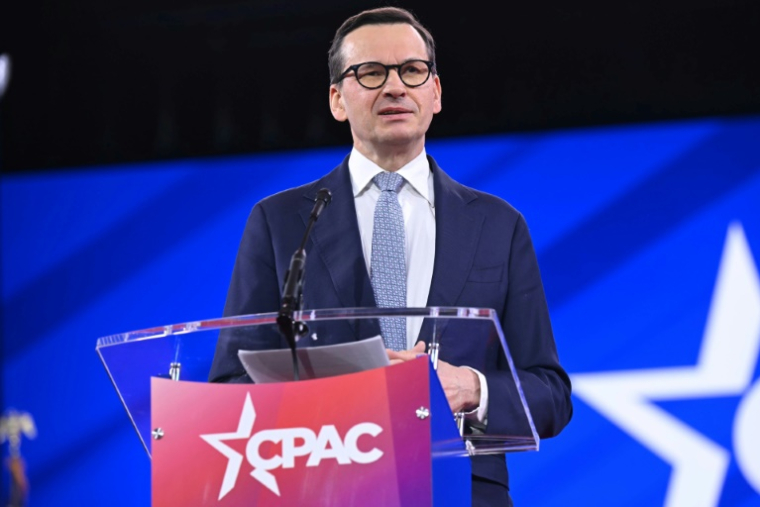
{"x":107,"y":82}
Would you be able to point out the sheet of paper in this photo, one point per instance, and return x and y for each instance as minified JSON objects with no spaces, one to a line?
{"x":264,"y":366}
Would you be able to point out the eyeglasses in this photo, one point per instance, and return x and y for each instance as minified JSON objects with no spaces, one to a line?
{"x":373,"y":75}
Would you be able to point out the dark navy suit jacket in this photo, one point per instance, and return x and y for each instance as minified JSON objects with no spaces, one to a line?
{"x":484,"y":258}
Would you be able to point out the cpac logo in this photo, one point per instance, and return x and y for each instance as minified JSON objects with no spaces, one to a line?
{"x":295,"y":442}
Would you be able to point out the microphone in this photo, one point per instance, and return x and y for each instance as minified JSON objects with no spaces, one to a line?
{"x":323,"y":199}
{"x":292,"y":291}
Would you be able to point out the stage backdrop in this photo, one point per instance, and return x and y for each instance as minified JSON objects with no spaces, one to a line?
{"x":648,"y":239}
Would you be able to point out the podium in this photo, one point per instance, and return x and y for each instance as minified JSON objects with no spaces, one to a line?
{"x":383,"y":437}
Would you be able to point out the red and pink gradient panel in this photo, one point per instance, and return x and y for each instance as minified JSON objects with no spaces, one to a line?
{"x":189,"y":471}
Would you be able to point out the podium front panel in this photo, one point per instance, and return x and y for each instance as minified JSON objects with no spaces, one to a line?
{"x":350,"y":440}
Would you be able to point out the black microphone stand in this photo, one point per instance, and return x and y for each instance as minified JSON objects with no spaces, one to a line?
{"x":292,"y":291}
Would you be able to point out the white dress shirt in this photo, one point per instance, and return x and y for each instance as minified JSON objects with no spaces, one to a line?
{"x":417,"y":201}
{"x":417,"y":205}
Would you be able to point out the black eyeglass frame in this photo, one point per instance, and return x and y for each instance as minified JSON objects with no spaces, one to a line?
{"x":355,"y":68}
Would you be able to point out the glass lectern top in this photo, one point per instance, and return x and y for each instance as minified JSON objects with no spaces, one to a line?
{"x":461,"y":336}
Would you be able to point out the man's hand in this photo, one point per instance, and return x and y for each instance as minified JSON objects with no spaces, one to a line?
{"x":406,"y":355}
{"x":461,"y":385}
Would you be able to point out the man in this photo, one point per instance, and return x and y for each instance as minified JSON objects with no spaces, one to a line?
{"x":453,"y":246}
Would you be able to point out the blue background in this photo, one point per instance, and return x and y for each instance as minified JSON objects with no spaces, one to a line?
{"x":628,"y":223}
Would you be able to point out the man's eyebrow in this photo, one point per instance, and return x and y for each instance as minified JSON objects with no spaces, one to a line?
{"x":402,"y":62}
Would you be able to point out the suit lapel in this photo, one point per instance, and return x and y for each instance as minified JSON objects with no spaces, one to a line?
{"x":458,"y":229}
{"x":335,"y":238}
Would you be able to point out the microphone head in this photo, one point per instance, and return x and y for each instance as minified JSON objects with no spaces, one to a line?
{"x":321,"y":201}
{"x":324,"y":195}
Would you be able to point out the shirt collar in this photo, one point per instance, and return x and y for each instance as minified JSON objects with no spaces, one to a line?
{"x":416,"y":173}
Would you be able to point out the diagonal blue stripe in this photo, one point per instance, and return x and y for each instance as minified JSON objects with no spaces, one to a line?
{"x":714,"y":168}
{"x":81,"y":449}
{"x":83,"y":277}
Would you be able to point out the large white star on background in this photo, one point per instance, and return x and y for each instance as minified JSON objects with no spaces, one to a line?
{"x":725,"y":367}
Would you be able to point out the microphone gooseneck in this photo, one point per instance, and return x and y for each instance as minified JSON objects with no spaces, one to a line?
{"x":292,"y":291}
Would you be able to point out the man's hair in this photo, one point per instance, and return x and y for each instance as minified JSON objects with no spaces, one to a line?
{"x":380,"y":16}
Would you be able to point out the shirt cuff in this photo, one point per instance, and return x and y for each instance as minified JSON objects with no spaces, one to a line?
{"x":478,"y":416}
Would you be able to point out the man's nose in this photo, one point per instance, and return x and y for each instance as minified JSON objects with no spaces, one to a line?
{"x":393,"y":85}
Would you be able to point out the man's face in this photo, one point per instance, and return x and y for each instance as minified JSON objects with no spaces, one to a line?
{"x":394,"y":117}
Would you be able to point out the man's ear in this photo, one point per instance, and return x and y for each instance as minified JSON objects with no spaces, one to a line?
{"x":336,"y":103}
{"x":438,"y":91}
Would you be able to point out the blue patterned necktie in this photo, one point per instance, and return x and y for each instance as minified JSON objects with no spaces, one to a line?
{"x":388,"y":270}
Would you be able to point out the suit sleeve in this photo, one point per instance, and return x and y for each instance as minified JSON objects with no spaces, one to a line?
{"x":254,"y":288}
{"x":528,"y":333}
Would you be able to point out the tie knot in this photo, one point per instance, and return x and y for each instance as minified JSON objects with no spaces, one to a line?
{"x":389,"y":181}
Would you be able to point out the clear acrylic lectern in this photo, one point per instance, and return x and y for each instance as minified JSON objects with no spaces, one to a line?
{"x":184,"y":352}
